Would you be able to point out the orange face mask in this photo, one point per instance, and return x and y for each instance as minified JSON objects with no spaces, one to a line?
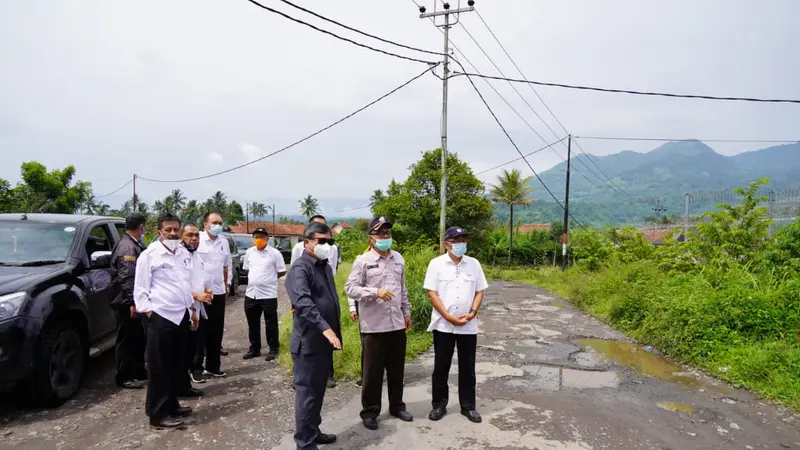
{"x":260,"y":243}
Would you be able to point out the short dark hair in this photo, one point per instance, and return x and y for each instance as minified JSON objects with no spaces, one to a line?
{"x":209,"y":213}
{"x":317,"y":216}
{"x":314,"y":228}
{"x":188,"y":224}
{"x":134,"y":221}
{"x":168,"y":217}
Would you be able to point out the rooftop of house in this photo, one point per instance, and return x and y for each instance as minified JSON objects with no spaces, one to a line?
{"x":277,"y":229}
{"x":527,"y":228}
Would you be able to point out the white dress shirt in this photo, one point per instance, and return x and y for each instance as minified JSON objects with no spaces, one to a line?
{"x":216,"y":255}
{"x":165,"y":281}
{"x":197,"y":264}
{"x":333,"y":256}
{"x":263,"y":267}
{"x":456,"y":285}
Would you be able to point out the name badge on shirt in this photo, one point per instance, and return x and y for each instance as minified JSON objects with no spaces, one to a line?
{"x":374,"y":266}
{"x":187,"y":263}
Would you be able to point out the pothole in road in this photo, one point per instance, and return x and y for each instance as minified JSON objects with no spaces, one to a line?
{"x":558,"y":378}
{"x":636,"y":357}
{"x":676,"y":407}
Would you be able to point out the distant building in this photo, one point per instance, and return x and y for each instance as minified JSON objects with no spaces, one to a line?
{"x":338,"y":227}
{"x":658,"y":236}
{"x":533,"y":227}
{"x":292,"y":233}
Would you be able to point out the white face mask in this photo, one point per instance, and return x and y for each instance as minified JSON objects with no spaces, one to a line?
{"x":322,"y":251}
{"x":171,"y":244}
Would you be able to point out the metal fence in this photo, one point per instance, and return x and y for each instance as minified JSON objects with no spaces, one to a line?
{"x":783,"y":205}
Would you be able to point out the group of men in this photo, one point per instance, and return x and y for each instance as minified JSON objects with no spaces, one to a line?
{"x":170,"y":310}
{"x":377,"y":292}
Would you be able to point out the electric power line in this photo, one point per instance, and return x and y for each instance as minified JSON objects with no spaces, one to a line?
{"x":387,"y":41}
{"x":500,"y":124}
{"x":301,"y":140}
{"x":654,"y":139}
{"x":517,"y":159}
{"x":275,"y":11}
{"x":116,"y":190}
{"x":632,"y":92}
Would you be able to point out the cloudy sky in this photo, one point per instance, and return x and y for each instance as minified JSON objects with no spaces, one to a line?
{"x":177,"y":89}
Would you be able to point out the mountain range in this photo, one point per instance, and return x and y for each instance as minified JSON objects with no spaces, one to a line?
{"x":639,"y":182}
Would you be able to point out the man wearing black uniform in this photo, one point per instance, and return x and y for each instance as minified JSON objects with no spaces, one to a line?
{"x":129,"y":351}
{"x":316,"y":333}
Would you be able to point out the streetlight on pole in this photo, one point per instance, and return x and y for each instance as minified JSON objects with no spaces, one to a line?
{"x":446,"y":12}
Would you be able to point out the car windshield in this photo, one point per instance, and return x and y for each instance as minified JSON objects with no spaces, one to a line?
{"x":24,"y":242}
{"x":243,"y":242}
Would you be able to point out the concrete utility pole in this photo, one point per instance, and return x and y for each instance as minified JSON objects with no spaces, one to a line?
{"x":566,"y":209}
{"x":446,"y":12}
{"x":134,"y":200}
{"x":686,"y":212}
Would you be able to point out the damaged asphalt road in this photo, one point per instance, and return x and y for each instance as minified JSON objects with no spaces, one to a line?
{"x":549,"y":377}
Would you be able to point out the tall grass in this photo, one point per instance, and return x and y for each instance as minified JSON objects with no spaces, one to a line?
{"x":347,"y":362}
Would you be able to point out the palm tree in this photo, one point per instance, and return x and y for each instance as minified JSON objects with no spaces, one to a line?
{"x":511,"y":189}
{"x":191,"y":212}
{"x":309,"y":206}
{"x":377,"y":197}
{"x":102,"y":209}
{"x":160,"y":207}
{"x":218,"y":201}
{"x":90,"y":204}
{"x":175,"y":201}
{"x":258,"y":210}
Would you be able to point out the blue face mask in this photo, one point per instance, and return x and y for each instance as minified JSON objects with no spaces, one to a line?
{"x":215,"y":230}
{"x":383,"y":244}
{"x":459,"y":249}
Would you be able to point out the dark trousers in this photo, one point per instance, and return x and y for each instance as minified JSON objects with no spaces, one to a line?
{"x":253,"y":308}
{"x":443,"y":346}
{"x":129,"y":348}
{"x":382,"y":352}
{"x":192,"y":339}
{"x":166,"y":344}
{"x":209,"y":341}
{"x":310,"y":381}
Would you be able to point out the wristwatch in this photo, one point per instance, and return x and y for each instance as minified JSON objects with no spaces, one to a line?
{"x":474,"y":311}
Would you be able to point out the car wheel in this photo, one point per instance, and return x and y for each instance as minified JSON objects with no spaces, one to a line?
{"x":59,"y":365}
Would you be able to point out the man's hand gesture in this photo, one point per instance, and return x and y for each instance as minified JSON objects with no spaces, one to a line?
{"x":332,"y":338}
{"x":354,"y":316}
{"x":385,"y":295}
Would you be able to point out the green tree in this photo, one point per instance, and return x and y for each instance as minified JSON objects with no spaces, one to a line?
{"x":90,"y":204}
{"x":258,"y":210}
{"x":234,"y":212}
{"x":160,"y":208}
{"x":49,"y":192}
{"x":288,"y":221}
{"x":175,"y":201}
{"x":511,"y":189}
{"x":192,"y":212}
{"x":376,"y":197}
{"x":309,"y":206}
{"x":414,"y":204}
{"x":6,"y":197}
{"x":103,"y":209}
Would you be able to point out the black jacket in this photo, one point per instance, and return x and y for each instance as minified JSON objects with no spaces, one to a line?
{"x":123,"y":268}
{"x":312,"y":290}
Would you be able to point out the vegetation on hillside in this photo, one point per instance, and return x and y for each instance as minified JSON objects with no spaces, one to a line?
{"x":726,"y":300}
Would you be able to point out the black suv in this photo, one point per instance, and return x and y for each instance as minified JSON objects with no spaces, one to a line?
{"x":55,"y":290}
{"x":244,"y":241}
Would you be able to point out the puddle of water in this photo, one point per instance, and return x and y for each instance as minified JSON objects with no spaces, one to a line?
{"x":587,"y":359}
{"x":556,"y":378}
{"x":644,"y":362}
{"x":676,"y":407}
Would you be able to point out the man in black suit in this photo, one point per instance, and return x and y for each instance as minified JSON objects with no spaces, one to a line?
{"x":316,"y":332}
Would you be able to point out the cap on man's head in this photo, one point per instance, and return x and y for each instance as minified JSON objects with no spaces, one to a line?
{"x":454,"y":232}
{"x":260,"y":231}
{"x":379,"y":222}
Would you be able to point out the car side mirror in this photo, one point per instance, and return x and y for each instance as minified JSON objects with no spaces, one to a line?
{"x":101,"y":260}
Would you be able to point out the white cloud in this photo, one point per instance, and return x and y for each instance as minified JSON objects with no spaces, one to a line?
{"x":251,"y":151}
{"x":214,"y":156}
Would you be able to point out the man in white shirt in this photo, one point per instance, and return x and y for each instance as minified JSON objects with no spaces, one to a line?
{"x":216,"y":254}
{"x":264,"y":265}
{"x":455,"y":285}
{"x":166,"y":283}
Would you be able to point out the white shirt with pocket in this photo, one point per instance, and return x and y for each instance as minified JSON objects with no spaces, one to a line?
{"x":456,"y":285}
{"x":263,"y":267}
{"x":216,"y":255}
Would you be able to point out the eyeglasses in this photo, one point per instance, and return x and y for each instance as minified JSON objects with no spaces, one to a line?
{"x":323,"y":241}
{"x":383,"y":234}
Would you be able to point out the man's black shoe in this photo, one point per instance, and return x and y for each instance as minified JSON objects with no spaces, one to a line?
{"x":323,"y":438}
{"x":405,"y":416}
{"x":182,"y":411}
{"x":331,"y":383}
{"x":217,"y":374}
{"x":223,"y":352}
{"x":251,"y":355}
{"x":197,"y":376}
{"x":133,"y":384}
{"x":271,"y":356}
{"x":437,"y":413}
{"x":473,"y":416}
{"x":370,"y":423}
{"x":166,"y":423}
{"x":191,"y":392}
{"x":358,"y":383}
